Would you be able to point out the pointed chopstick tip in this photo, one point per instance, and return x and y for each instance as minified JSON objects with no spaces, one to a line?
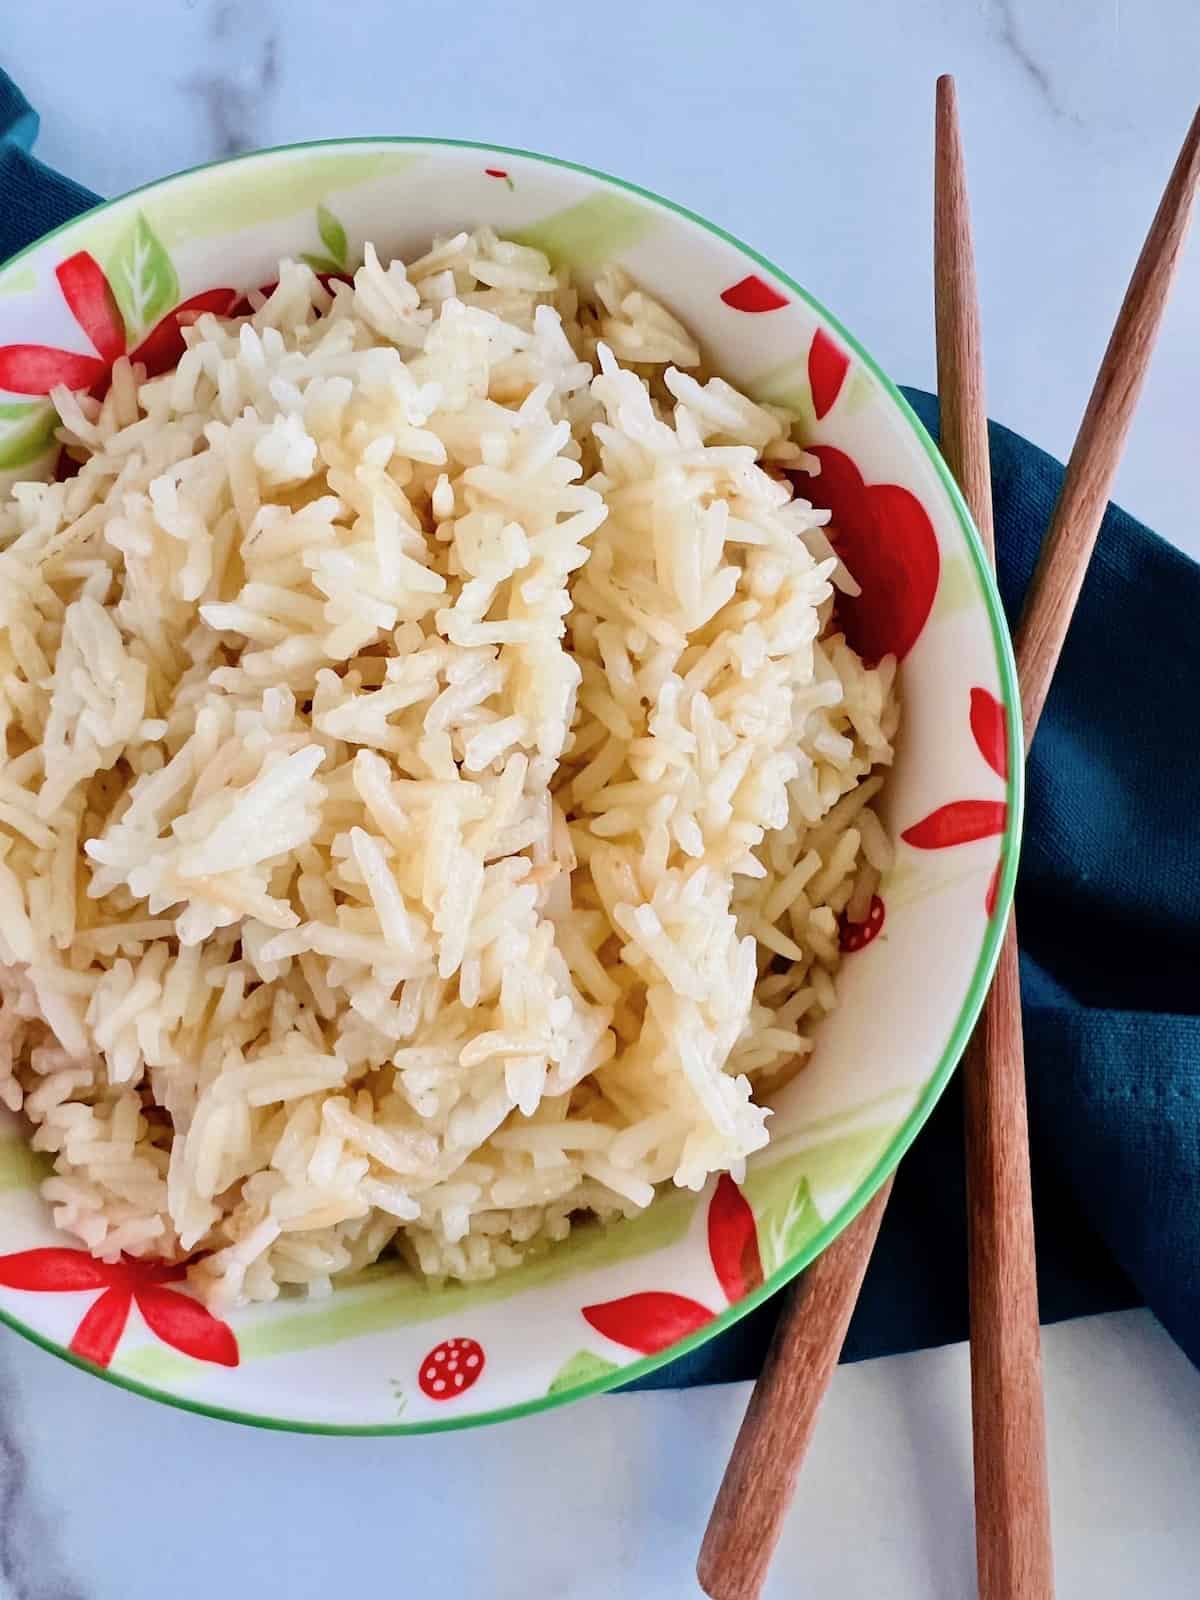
{"x":1189,"y":156}
{"x":1075,"y":522}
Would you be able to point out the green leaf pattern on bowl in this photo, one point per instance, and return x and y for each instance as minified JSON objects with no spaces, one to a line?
{"x":582,"y":1368}
{"x":333,"y":235}
{"x":26,"y":432}
{"x":142,"y":277}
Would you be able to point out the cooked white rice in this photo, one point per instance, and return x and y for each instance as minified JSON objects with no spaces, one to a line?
{"x":431,"y":777}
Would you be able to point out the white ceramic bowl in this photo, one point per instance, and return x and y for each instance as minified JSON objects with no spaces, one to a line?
{"x":611,"y":1303}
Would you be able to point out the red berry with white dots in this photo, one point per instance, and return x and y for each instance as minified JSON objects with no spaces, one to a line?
{"x":450,"y":1368}
{"x":857,"y":935}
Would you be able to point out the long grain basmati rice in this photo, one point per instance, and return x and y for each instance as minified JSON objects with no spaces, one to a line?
{"x":431,"y":779}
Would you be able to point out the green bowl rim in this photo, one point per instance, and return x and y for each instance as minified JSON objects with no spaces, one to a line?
{"x":984,"y":968}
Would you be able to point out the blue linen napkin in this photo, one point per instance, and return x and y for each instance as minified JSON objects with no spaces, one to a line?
{"x":33,"y":197}
{"x":1109,"y":903}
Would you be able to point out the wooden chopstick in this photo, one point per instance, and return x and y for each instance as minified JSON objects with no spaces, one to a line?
{"x":961,"y":405}
{"x":757,"y":1483}
{"x":757,"y":1487}
{"x":1069,"y":541}
{"x":1014,"y":1554}
{"x":756,"y":1490}
{"x":1012,"y":1509}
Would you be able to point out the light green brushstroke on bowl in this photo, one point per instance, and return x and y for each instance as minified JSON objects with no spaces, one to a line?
{"x":22,"y":1167}
{"x":956,"y":589}
{"x":590,"y":233}
{"x":28,"y":444}
{"x":847,"y":1120}
{"x":787,"y":386}
{"x":22,"y":281}
{"x":388,"y":1297}
{"x":828,"y":1167}
{"x":860,"y":391}
{"x":249,"y":196}
{"x":29,"y":439}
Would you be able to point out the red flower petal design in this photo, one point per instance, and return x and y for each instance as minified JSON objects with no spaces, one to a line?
{"x":854,"y":936}
{"x":958,"y":823}
{"x":57,"y":1269}
{"x":186,"y":1325}
{"x":648,"y":1322}
{"x":989,"y":724}
{"x":994,"y":888}
{"x":93,"y":304}
{"x":733,"y":1240}
{"x":827,"y":366}
{"x":98,"y":1335}
{"x":150,"y":1269}
{"x":176,"y":1318}
{"x":36,"y":368}
{"x":883,"y":534}
{"x":753,"y":294}
{"x":494,"y":172}
{"x":163,"y":345}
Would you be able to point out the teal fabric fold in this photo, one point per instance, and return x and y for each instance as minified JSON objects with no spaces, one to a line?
{"x":34,"y":199}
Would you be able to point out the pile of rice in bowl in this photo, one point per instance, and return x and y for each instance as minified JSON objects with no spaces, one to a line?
{"x":432,"y":777}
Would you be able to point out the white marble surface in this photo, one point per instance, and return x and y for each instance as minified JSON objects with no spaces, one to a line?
{"x":106,"y":1497}
{"x":806,"y":129}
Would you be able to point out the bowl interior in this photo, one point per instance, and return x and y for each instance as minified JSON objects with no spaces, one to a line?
{"x":613,"y":1302}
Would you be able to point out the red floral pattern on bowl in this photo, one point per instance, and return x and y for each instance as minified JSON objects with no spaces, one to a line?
{"x":37,"y":368}
{"x":964,"y":821}
{"x":828,"y":364}
{"x":176,"y":1318}
{"x":655,"y":1319}
{"x":753,"y":294}
{"x":883,"y":534}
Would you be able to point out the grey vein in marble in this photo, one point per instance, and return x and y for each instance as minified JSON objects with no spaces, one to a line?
{"x":31,"y":1566}
{"x":233,"y":98}
{"x":1010,"y":35}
